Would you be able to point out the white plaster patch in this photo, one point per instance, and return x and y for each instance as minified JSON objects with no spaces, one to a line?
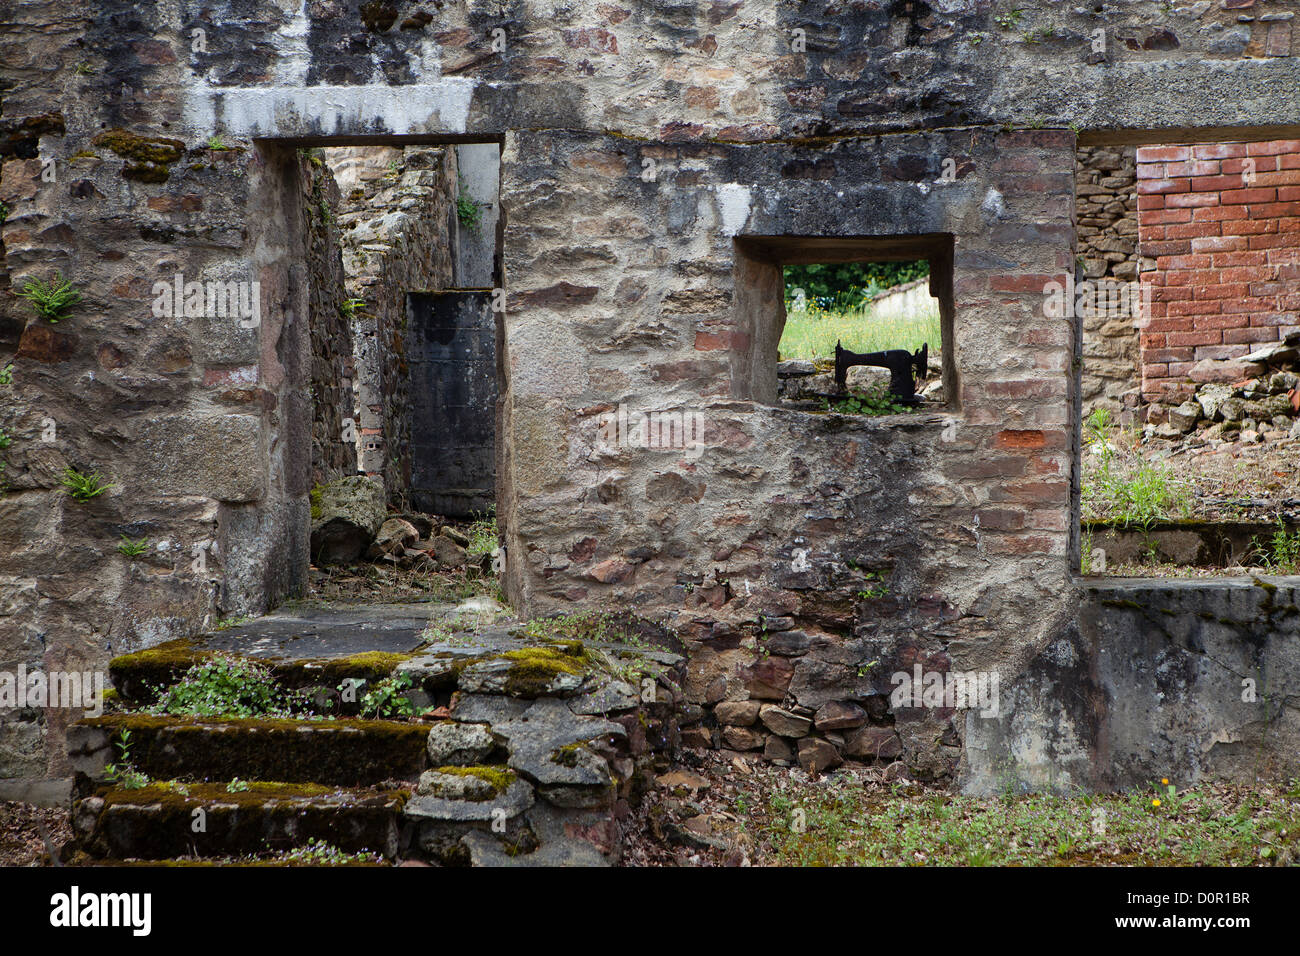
{"x":733,"y":204}
{"x":993,"y":207}
{"x":438,"y":107}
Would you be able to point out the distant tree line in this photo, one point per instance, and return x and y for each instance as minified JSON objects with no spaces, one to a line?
{"x":847,"y":285}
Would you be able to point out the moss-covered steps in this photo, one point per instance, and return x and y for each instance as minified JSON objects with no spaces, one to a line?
{"x":169,"y":820}
{"x":343,"y":752}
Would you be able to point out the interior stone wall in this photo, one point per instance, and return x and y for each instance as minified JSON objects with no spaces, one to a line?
{"x":397,"y":219}
{"x":333,"y":455}
{"x":1106,"y":209}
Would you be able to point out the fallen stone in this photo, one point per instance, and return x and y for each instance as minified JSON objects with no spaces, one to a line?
{"x":1185,"y":416}
{"x":395,"y":537}
{"x":454,"y":535}
{"x":448,"y":552}
{"x":873,"y":742}
{"x":1211,"y":398}
{"x":775,"y":749}
{"x":817,"y":756}
{"x":346,"y":516}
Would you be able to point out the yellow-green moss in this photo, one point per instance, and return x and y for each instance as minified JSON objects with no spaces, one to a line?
{"x":497,"y":777}
{"x":534,"y":668}
{"x":204,"y":794}
{"x":144,"y":149}
{"x":367,"y":665}
{"x":314,"y":496}
{"x":567,"y":756}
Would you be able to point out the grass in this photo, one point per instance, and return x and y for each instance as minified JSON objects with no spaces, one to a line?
{"x":1119,"y":485}
{"x":811,"y":332}
{"x":845,"y":821}
{"x":1280,"y":553}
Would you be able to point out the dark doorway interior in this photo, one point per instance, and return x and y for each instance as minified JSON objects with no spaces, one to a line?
{"x":451,"y":348}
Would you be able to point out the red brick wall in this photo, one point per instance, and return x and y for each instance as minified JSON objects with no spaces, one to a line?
{"x":1225,"y":240}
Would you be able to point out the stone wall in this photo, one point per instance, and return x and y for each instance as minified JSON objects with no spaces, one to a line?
{"x":397,"y":218}
{"x":758,"y":118}
{"x":1106,"y":205}
{"x":1222,"y":222}
{"x":333,"y":406}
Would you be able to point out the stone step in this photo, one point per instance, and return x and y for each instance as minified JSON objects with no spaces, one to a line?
{"x":166,"y":820}
{"x":344,"y":752}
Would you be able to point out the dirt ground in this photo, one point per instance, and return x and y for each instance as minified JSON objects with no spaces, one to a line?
{"x":28,"y":834}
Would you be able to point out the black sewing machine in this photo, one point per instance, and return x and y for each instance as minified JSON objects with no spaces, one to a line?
{"x":900,"y":363}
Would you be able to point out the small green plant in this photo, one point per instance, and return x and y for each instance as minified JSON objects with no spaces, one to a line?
{"x":351,"y":307}
{"x":875,"y":590}
{"x":468,"y":211}
{"x":237,"y":786}
{"x":7,"y":373}
{"x":224,"y":686}
{"x":4,"y":211}
{"x":388,"y":698}
{"x":124,"y":773}
{"x":319,"y":853}
{"x":132,"y":549}
{"x":51,"y":299}
{"x":5,"y":439}
{"x":872,"y":402}
{"x":1008,"y":20}
{"x":83,"y":69}
{"x":214,"y":142}
{"x":1281,"y":552}
{"x":482,"y":536}
{"x":83,"y":487}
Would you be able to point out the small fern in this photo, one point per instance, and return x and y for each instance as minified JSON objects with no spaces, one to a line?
{"x":52,"y":299}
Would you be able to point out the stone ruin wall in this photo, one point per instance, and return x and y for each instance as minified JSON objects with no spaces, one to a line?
{"x":332,"y":455}
{"x":621,"y":289}
{"x":1106,"y":210}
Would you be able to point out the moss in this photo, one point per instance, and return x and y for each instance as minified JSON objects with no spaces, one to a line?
{"x":535,"y":668}
{"x":150,"y":156}
{"x":83,"y":154}
{"x":135,"y":675}
{"x":314,"y":496}
{"x":167,"y":794}
{"x":157,"y":823}
{"x":367,"y":666}
{"x":497,"y":777}
{"x":566,"y":756}
{"x":143,"y":149}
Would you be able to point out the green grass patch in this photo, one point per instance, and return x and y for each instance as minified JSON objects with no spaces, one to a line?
{"x":811,"y":333}
{"x":846,"y":821}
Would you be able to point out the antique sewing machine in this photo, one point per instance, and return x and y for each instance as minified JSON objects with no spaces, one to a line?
{"x":900,"y":362}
